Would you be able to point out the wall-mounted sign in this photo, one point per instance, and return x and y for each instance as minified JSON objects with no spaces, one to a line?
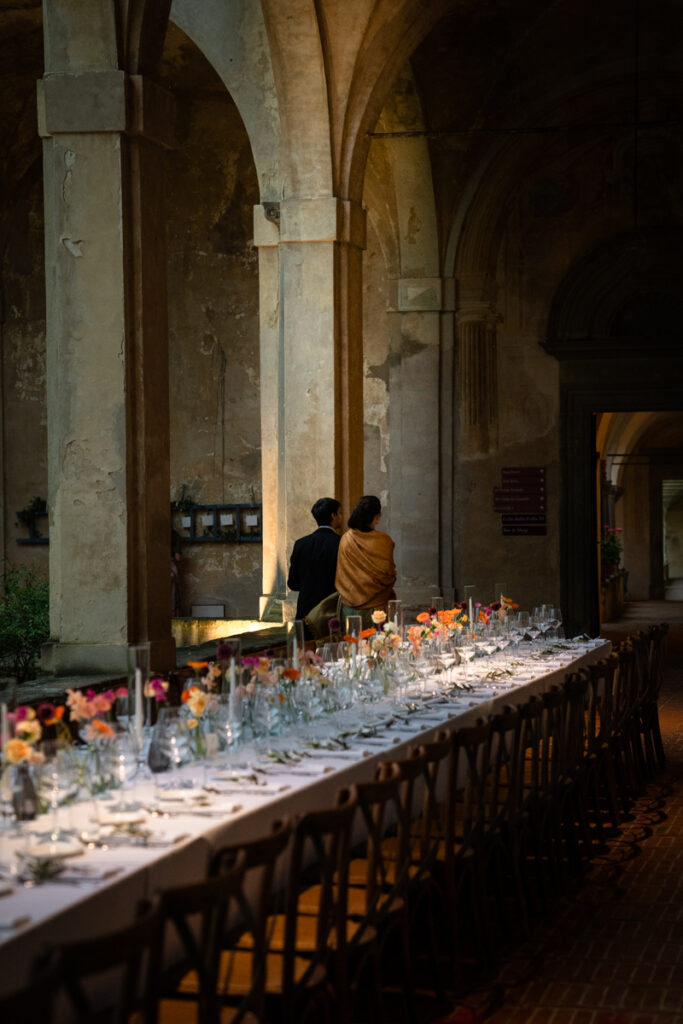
{"x":521,"y":501}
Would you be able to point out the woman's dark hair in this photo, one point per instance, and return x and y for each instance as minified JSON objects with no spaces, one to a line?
{"x":365,"y":511}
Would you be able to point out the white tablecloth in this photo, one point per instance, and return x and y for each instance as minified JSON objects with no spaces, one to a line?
{"x":59,"y":911}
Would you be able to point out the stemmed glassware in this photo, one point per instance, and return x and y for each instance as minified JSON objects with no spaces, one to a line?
{"x":540,"y":616}
{"x":124,"y":754}
{"x":535,"y":627}
{"x":466,"y":649}
{"x":57,"y":786}
{"x":554,"y":621}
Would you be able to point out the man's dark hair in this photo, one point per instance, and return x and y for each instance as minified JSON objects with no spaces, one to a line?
{"x":365,"y":511}
{"x":324,"y":509}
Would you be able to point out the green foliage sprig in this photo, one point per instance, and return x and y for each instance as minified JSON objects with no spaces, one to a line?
{"x":24,"y":621}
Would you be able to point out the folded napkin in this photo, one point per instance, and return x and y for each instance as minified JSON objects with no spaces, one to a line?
{"x":87,"y":873}
{"x":300,"y":769}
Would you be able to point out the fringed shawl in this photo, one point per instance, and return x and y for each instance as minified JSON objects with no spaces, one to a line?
{"x":365,"y":569}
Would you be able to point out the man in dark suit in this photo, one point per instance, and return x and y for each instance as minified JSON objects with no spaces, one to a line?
{"x":313,"y":564}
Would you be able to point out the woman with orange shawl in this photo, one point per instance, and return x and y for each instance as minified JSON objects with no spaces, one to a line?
{"x":365,"y":564}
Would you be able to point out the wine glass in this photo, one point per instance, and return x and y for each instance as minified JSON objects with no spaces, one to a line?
{"x":57,"y":786}
{"x":466,"y":649}
{"x":125,"y":754}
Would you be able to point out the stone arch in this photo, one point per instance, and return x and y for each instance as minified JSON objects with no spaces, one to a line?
{"x":390,"y":35}
{"x":234,"y":39}
{"x":624,"y":290}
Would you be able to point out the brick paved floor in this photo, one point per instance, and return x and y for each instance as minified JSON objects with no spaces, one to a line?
{"x":612,"y":953}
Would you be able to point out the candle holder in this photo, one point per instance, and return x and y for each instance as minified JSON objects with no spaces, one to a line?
{"x":138,"y":677}
{"x":295,"y":642}
{"x":230,"y":660}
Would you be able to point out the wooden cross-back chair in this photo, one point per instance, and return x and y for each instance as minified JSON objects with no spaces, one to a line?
{"x":650,"y":730}
{"x":109,"y":978}
{"x":298,"y":946}
{"x":192,"y":923}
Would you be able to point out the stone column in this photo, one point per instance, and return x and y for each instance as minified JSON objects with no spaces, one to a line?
{"x":107,"y":358}
{"x":415,"y":425}
{"x":311,"y":372}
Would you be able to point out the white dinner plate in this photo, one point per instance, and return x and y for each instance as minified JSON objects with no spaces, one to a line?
{"x":120,"y":817}
{"x":53,"y":851}
{"x":180,"y":794}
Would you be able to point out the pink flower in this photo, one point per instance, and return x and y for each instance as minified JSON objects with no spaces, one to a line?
{"x":101,"y":704}
{"x":156,"y":688}
{"x":79,"y":706}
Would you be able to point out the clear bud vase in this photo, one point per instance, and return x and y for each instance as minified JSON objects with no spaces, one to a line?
{"x":24,"y":796}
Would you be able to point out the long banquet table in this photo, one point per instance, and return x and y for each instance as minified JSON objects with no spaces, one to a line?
{"x":99,"y":891}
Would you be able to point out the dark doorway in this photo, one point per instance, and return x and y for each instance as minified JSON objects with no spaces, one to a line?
{"x":604,"y":368}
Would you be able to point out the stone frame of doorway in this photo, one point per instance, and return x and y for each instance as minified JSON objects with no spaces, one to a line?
{"x":634,"y":385}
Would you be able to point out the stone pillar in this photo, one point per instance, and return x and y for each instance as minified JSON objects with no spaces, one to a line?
{"x":311,"y":371}
{"x":415,"y":425}
{"x":107,"y":357}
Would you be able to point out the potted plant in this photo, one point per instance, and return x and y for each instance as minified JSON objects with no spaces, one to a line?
{"x":610,"y":550}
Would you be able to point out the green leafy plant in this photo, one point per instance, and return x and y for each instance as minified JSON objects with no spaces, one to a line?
{"x":184,"y":501}
{"x":24,"y":621}
{"x":610,"y":546}
{"x":28,"y":515}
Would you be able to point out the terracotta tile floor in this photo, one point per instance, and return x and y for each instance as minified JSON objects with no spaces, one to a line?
{"x":613,"y":952}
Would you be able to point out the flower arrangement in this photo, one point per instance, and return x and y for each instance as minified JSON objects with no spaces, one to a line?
{"x":310,"y":665}
{"x":385,"y":641}
{"x":496,"y":610}
{"x":92,"y":709}
{"x":199,"y":703}
{"x":27,"y":730}
{"x":437,"y":625}
{"x":261,"y":673}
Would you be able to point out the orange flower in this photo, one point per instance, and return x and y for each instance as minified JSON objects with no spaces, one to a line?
{"x":189,"y":693}
{"x":102,"y":727}
{"x":423,"y":617}
{"x":291,"y":673}
{"x":366,"y":633}
{"x":17,"y":751}
{"x":198,"y":664}
{"x":57,"y":717}
{"x":352,"y":639}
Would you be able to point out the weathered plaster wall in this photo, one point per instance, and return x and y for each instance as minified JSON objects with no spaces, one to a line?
{"x":23,"y":456}
{"x":213,"y":324}
{"x":23,"y":374}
